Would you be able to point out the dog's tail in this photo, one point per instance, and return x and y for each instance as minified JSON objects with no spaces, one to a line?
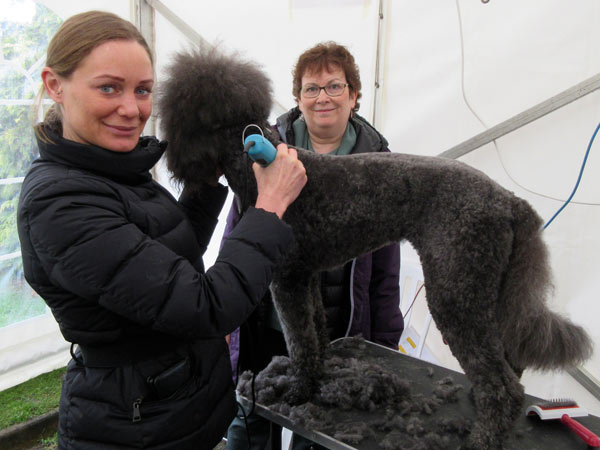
{"x":537,"y":337}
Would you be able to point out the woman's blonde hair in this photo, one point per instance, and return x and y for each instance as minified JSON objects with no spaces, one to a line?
{"x":74,"y":40}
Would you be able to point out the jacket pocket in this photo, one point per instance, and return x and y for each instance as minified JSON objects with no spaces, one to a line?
{"x":169,"y":381}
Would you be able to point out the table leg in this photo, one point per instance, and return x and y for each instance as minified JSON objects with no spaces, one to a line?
{"x":275,"y":436}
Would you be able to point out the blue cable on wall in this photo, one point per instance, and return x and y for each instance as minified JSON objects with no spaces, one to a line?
{"x":578,"y":179}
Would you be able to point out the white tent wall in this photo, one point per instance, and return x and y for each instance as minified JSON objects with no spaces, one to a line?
{"x":450,"y":70}
{"x":273,"y":34}
{"x":458,"y":68}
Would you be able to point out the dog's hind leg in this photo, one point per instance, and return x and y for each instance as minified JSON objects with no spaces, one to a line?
{"x":518,"y":370}
{"x":295,"y":296}
{"x":496,"y":391}
{"x":462,"y":293}
{"x":497,"y":394}
{"x":473,"y":339}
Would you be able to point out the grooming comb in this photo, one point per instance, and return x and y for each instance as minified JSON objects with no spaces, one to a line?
{"x":564,"y":410}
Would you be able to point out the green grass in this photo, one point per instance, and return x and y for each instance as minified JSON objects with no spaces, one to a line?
{"x":33,"y":398}
{"x":49,"y":443}
{"x":30,"y":399}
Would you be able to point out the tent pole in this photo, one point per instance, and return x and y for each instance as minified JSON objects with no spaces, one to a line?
{"x":379,"y":58}
{"x":144,"y":21}
{"x":191,"y":34}
{"x":527,"y":116}
{"x":183,"y":27}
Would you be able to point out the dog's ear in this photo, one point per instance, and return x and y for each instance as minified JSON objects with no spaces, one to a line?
{"x":206,"y":94}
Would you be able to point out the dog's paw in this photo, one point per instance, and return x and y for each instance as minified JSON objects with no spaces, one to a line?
{"x":296,"y":395}
{"x":301,"y":390}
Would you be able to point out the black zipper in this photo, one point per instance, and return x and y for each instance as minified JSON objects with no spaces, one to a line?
{"x":137,"y":416}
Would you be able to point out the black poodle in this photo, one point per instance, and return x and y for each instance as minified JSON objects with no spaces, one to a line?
{"x":484,"y":261}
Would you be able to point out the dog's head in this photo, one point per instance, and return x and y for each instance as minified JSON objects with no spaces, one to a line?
{"x":204,"y":105}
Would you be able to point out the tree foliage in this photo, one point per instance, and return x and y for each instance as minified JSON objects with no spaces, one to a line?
{"x":23,"y":47}
{"x":22,"y":56}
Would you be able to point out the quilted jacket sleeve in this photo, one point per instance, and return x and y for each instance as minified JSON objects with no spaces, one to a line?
{"x":80,"y":235}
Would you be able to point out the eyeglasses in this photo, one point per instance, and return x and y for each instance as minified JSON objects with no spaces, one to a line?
{"x":333,"y":89}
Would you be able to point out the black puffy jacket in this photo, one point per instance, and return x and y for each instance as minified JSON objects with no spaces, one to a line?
{"x":119,"y":262}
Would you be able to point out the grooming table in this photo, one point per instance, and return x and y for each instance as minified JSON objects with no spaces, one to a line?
{"x":530,"y":433}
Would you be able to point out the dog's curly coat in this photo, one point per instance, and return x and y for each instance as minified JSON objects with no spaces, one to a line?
{"x":484,"y":261}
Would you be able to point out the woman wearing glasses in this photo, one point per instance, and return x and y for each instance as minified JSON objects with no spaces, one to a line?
{"x":362,"y":297}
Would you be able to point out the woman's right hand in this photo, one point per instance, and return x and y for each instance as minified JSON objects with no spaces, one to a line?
{"x":280,"y":183}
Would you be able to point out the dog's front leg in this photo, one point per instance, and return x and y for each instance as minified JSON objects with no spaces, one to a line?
{"x":295,"y":297}
{"x":319,"y":316}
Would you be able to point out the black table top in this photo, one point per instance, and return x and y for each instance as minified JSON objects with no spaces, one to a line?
{"x":530,"y":433}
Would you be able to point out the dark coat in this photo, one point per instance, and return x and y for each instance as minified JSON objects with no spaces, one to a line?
{"x":119,"y":262}
{"x":360,"y":299}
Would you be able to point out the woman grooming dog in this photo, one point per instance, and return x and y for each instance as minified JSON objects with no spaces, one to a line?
{"x":119,"y":261}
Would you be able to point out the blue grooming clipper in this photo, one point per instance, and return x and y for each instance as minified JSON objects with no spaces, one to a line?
{"x":260,"y":149}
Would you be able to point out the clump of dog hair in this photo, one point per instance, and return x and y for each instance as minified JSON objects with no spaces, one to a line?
{"x":350,"y":389}
{"x":353,"y":433}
